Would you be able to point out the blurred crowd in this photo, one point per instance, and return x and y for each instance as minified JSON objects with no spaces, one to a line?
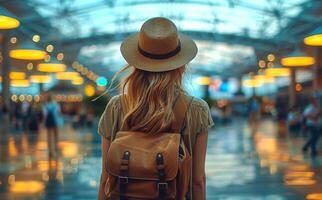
{"x":303,"y":120}
{"x":30,"y":117}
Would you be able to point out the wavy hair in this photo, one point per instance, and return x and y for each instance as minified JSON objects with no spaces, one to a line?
{"x":149,"y":98}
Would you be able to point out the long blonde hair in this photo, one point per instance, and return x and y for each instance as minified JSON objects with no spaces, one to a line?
{"x":149,"y":99}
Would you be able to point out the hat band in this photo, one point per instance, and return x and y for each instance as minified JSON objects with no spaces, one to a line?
{"x":160,"y":56}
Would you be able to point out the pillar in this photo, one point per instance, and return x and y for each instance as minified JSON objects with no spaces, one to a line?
{"x":5,"y":70}
{"x":291,"y":89}
{"x":317,"y":69}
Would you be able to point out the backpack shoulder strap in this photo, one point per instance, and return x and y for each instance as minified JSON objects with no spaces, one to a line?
{"x":180,"y":109}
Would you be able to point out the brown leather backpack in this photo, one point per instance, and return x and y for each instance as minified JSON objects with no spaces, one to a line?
{"x":150,"y":166}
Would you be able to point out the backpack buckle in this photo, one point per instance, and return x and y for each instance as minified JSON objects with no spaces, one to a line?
{"x":123,"y":180}
{"x":162,"y":186}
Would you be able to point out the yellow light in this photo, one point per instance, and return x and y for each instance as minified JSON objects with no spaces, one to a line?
{"x":27,"y":54}
{"x":30,"y":66}
{"x":251,"y":83}
{"x":203,"y":80}
{"x":277,"y":72}
{"x":313,"y":40}
{"x":67,"y":75}
{"x":300,"y":182}
{"x":270,"y":64}
{"x":270,"y":57}
{"x":40,"y":78}
{"x":264,"y":79}
{"x":13,"y":40}
{"x":21,"y":97}
{"x":17,"y":75}
{"x":49,"y":48}
{"x":36,"y":38}
{"x":300,"y":61}
{"x":298,"y":87}
{"x":14,"y":97}
{"x":51,"y":67}
{"x":20,"y":83}
{"x":78,"y":81}
{"x":0,"y":79}
{"x":314,"y":196}
{"x":47,"y":58}
{"x":8,"y":22}
{"x":29,"y":187}
{"x":89,"y":90}
{"x":60,"y":56}
{"x":261,"y":63}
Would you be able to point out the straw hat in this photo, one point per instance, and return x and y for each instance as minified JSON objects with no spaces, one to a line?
{"x":158,"y":47}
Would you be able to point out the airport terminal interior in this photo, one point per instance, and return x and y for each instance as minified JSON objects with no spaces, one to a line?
{"x":259,"y":68}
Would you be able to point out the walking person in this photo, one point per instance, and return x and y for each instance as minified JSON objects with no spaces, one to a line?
{"x":52,"y":114}
{"x":154,"y":136}
{"x":312,"y":115}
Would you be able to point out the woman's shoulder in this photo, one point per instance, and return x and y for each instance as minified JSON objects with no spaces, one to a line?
{"x":197,"y":103}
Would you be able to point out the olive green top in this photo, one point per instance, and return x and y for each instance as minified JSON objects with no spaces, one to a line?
{"x":197,"y":121}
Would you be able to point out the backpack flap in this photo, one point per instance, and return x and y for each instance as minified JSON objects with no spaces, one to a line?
{"x":144,"y":149}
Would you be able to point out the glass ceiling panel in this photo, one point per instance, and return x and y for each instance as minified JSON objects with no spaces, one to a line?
{"x":212,"y":57}
{"x":254,"y":18}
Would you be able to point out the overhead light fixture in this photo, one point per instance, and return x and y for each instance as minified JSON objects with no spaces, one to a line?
{"x":252,"y":83}
{"x":277,"y":72}
{"x":8,"y":20}
{"x":202,"y":80}
{"x":314,"y":38}
{"x":28,"y":51}
{"x":51,"y":67}
{"x":297,"y":59}
{"x":264,"y":79}
{"x":67,"y":75}
{"x":40,"y":78}
{"x":101,"y":81}
{"x":78,"y":81}
{"x":20,"y":83}
{"x":17,"y":75}
{"x":89,"y":90}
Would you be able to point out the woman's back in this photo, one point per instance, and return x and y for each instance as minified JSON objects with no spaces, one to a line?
{"x":198,"y":119}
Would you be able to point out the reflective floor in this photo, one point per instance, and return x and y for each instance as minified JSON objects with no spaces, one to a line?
{"x":261,"y":162}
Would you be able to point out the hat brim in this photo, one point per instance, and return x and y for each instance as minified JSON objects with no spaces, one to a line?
{"x":130,"y":52}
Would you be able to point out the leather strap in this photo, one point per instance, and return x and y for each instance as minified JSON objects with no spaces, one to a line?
{"x":180,"y":109}
{"x":124,"y":173}
{"x":162,"y":184}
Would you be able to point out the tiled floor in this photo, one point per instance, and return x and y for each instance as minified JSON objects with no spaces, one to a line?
{"x":243,"y":163}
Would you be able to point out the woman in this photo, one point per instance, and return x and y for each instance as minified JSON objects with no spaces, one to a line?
{"x":157,"y":58}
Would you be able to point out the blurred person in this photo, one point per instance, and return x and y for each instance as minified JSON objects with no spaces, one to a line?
{"x":52,"y":115}
{"x":17,"y":116}
{"x":5,"y":118}
{"x":312,"y":114}
{"x":33,"y":119}
{"x":153,"y":106}
{"x":254,"y":109}
{"x":24,"y":114}
{"x":294,"y":120}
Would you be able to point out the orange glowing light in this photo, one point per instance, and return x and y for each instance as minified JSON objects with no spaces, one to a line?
{"x":27,"y":187}
{"x":8,"y":22}
{"x":20,"y":83}
{"x":276,"y":72}
{"x":67,"y":75}
{"x":51,"y":67}
{"x":313,"y":40}
{"x":17,"y":75}
{"x":40,"y":78}
{"x":301,"y":61}
{"x":27,"y":54}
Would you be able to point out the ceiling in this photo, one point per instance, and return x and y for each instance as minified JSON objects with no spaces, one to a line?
{"x":231,"y":34}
